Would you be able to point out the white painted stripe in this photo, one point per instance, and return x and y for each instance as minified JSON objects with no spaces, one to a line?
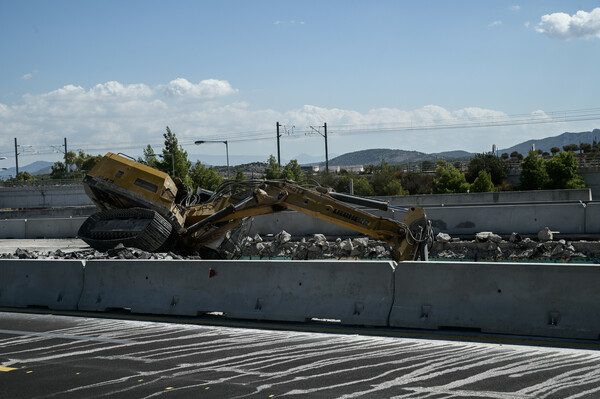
{"x":65,"y":336}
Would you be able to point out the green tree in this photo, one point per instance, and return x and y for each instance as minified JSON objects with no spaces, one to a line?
{"x":240,"y":175}
{"x":533,"y":172}
{"x":417,"y":183}
{"x":150,"y":158}
{"x":562,"y":172}
{"x":394,"y":187}
{"x":585,"y":147}
{"x":293,"y":171}
{"x":483,"y":183}
{"x":554,"y":150}
{"x":449,"y":179}
{"x":85,"y":162}
{"x":489,"y":163}
{"x":570,"y":147}
{"x":516,"y":155}
{"x":60,"y":170}
{"x":327,"y":179}
{"x":362,"y":187}
{"x":174,"y":155}
{"x":343,"y":183}
{"x":382,"y":178}
{"x":78,"y":164}
{"x":273,"y":170}
{"x":204,"y":177}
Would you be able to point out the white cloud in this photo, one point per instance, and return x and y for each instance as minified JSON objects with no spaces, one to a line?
{"x":125,"y":117}
{"x":514,"y":8}
{"x":495,"y":23}
{"x":28,"y":76}
{"x":581,"y":25}
{"x":206,"y":90}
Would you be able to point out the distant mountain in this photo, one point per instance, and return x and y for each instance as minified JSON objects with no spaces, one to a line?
{"x":391,"y":156}
{"x":557,"y":141}
{"x":35,"y":168}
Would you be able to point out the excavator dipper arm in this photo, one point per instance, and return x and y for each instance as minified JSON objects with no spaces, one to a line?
{"x":408,"y":237}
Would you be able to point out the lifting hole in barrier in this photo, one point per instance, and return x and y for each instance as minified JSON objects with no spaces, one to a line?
{"x":425,"y":310}
{"x":259,"y":304}
{"x":359,"y":307}
{"x":553,"y":318}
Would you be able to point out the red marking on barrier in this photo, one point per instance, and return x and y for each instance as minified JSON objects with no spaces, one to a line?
{"x":211,"y":273}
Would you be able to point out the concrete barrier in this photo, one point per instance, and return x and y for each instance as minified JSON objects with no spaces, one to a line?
{"x":568,"y":218}
{"x":52,"y":228}
{"x":497,"y":198}
{"x":13,"y":228}
{"x":43,"y":196}
{"x":592,"y":217}
{"x":552,"y":300}
{"x":354,"y":292}
{"x":40,"y":228}
{"x":56,"y":284}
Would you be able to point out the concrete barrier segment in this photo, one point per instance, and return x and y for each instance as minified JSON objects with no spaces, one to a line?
{"x":53,"y":227}
{"x":551,"y":300}
{"x":568,"y":218}
{"x":56,"y":284}
{"x":12,"y":228}
{"x":354,"y":292}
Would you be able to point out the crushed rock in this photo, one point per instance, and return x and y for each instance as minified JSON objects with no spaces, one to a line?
{"x":484,"y":246}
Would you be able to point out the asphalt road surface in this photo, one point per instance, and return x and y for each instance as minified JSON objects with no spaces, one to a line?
{"x":82,"y":356}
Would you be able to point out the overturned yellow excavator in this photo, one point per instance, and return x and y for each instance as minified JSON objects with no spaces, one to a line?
{"x":145,"y":208}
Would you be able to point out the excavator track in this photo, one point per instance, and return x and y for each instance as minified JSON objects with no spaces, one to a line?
{"x":133,"y":227}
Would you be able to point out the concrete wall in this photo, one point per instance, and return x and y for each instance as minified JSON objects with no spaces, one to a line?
{"x":40,"y":228}
{"x":43,"y":197}
{"x":551,"y":300}
{"x":554,"y":300}
{"x":566,"y":218}
{"x":74,"y":196}
{"x":499,"y":198}
{"x":526,"y":212}
{"x":591,"y":176}
{"x":260,"y":290}
{"x":55,"y":284}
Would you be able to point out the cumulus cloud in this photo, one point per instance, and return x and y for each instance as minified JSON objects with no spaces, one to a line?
{"x":125,"y":117}
{"x":514,"y":8}
{"x":207,"y":89}
{"x":495,"y":23}
{"x":581,"y":25}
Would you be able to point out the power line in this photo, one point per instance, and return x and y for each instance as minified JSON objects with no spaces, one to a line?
{"x":577,"y":115}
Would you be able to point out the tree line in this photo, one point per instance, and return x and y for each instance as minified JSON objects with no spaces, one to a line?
{"x":485,"y":172}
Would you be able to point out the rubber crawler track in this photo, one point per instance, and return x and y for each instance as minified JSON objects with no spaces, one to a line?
{"x":133,"y":227}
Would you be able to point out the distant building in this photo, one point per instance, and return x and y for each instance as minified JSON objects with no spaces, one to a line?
{"x":338,"y":169}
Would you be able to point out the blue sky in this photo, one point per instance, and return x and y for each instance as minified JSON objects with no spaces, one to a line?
{"x":111,"y":75}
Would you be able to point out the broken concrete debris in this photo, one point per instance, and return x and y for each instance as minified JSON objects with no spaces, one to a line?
{"x":484,"y":246}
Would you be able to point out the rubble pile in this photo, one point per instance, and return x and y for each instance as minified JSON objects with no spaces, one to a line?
{"x":484,"y":246}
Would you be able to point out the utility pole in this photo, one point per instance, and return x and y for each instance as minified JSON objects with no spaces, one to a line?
{"x":16,"y":158}
{"x":66,"y":163}
{"x":278,"y":148}
{"x":326,"y":154}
